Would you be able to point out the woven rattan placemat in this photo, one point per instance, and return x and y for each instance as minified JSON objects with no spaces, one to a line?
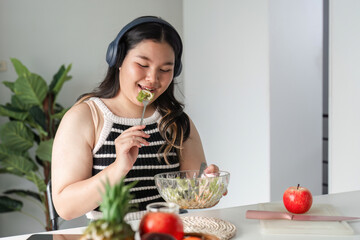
{"x":224,"y":230}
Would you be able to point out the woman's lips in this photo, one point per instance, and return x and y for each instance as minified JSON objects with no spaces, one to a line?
{"x":147,"y":88}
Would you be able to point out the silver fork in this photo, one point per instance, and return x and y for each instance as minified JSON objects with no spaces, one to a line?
{"x":145,"y":102}
{"x":202,"y":168}
{"x":197,"y":181}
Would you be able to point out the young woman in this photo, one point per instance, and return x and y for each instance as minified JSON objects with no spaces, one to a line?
{"x":101,"y":138}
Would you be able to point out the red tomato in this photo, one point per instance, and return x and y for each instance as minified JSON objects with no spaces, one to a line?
{"x":162,"y":222}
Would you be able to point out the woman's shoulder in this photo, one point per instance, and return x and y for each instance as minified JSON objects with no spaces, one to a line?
{"x":79,"y":110}
{"x":78,"y":116}
{"x":76,"y":127}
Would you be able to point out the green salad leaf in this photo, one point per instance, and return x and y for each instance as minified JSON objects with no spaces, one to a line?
{"x":144,"y":94}
{"x":194,"y":192}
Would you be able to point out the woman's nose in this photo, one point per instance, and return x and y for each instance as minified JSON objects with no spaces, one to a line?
{"x":152,"y":75}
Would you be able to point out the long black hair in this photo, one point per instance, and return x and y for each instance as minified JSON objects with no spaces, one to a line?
{"x":174,"y":125}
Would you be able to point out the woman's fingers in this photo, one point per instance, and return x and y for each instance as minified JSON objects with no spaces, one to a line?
{"x":133,"y":136}
{"x":131,"y":141}
{"x":136,"y":130}
{"x":212,"y":168}
{"x":127,"y":146}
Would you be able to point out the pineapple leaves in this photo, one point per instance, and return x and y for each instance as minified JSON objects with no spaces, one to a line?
{"x":9,"y":205}
{"x":114,"y":206}
{"x":116,"y":201}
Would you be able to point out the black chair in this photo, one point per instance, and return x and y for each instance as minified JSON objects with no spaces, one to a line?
{"x":52,"y":211}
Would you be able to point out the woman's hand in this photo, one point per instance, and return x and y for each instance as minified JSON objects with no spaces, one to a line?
{"x":127,"y":146}
{"x":213,"y":169}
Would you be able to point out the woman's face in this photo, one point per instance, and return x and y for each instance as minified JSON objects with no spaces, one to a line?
{"x":149,"y":65}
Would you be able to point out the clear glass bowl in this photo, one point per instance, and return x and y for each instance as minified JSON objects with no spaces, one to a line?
{"x":189,"y":191}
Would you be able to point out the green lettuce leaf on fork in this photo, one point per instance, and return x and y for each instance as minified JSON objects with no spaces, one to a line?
{"x":144,"y":95}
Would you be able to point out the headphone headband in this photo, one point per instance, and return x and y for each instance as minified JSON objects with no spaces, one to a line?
{"x":112,"y":50}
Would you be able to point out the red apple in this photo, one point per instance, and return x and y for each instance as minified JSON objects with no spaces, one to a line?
{"x":297,"y":199}
{"x":162,"y":222}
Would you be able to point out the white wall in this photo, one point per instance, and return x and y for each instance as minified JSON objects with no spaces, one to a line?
{"x":344,"y":108}
{"x":295,"y":95}
{"x":45,"y":34}
{"x":253,"y":87}
{"x":226,"y":75}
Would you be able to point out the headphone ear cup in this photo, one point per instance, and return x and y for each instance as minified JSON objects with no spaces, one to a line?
{"x":111,"y":54}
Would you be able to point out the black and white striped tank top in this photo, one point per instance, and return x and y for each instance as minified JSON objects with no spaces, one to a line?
{"x":148,"y":163}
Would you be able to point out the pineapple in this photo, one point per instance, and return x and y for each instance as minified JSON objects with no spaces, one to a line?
{"x":114,"y":206}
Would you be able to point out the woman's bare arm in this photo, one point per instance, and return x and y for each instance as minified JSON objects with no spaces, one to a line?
{"x":193,"y":152}
{"x":75,"y":191}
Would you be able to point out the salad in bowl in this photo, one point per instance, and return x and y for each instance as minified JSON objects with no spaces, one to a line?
{"x":191,"y":191}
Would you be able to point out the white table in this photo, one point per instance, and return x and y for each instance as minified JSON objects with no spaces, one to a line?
{"x":347,"y":203}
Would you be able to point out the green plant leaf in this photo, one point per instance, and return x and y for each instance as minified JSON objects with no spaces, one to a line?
{"x":38,"y":116}
{"x":9,"y":205}
{"x":16,"y":136}
{"x":3,"y":170}
{"x":45,"y":149}
{"x":24,"y":193}
{"x":20,"y":69}
{"x":17,"y":103}
{"x":31,"y":89}
{"x":9,"y":85}
{"x":40,"y":133}
{"x":12,"y":112}
{"x":40,"y":183}
{"x":39,"y":161}
{"x":6,"y":152}
{"x":59,"y":79}
{"x":19,"y":165}
{"x":27,"y":126}
{"x":59,"y":115}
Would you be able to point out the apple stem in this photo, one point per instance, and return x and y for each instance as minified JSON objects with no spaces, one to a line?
{"x":298,"y":186}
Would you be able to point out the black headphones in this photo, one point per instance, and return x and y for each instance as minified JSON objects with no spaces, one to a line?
{"x":113,"y":46}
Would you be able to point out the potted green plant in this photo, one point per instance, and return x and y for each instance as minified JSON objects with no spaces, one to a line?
{"x":26,"y":139}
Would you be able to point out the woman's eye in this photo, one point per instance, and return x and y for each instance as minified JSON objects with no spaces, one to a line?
{"x":165,"y":70}
{"x":142,"y":65}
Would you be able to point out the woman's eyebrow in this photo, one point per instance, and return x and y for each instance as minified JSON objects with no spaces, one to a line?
{"x":171,"y":63}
